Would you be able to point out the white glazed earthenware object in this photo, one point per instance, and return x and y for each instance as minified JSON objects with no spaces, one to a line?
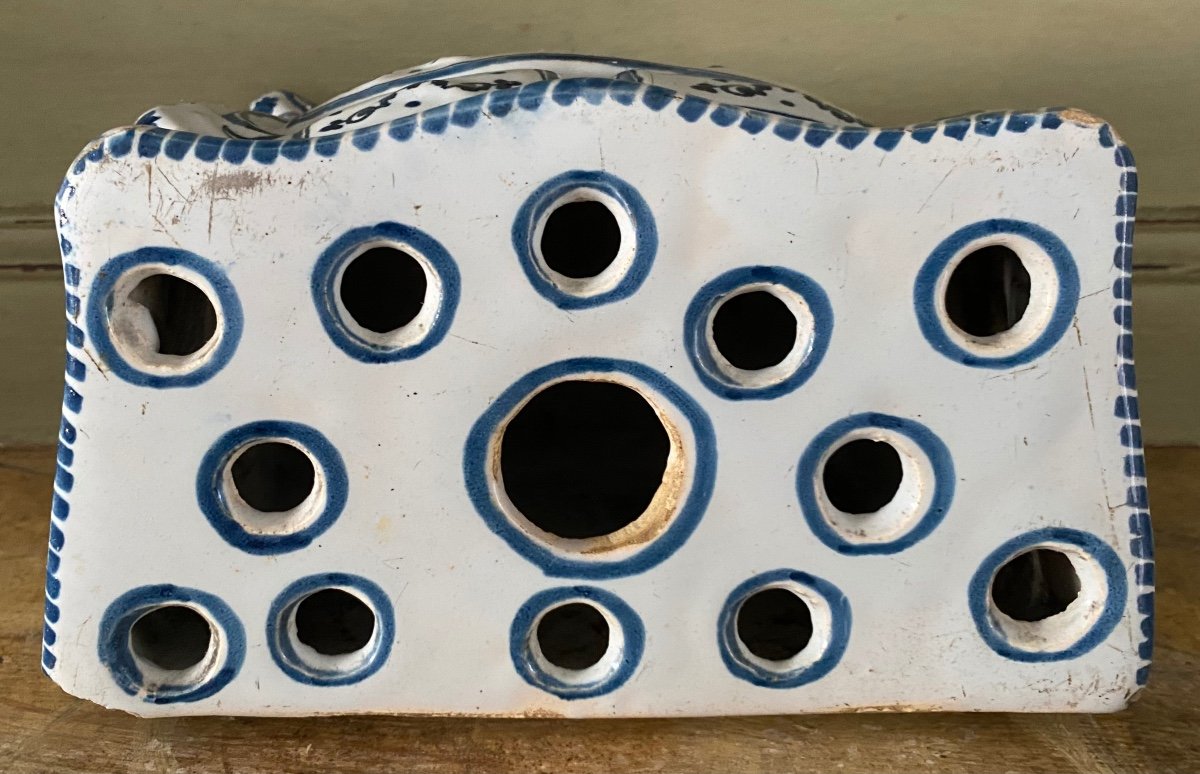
{"x":938,"y":473}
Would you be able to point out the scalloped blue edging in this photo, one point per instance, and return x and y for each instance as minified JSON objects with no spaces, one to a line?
{"x":75,"y":373}
{"x":149,"y":141}
{"x":1141,"y":540}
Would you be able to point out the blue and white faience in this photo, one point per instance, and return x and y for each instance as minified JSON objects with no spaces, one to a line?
{"x":208,"y":261}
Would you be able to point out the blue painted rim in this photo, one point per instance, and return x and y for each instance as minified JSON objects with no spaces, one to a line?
{"x":535,"y":207}
{"x":226,"y":302}
{"x":116,"y":653}
{"x":925,"y":291}
{"x":522,"y":632}
{"x":695,"y":329}
{"x":480,"y":64}
{"x":743,"y":668}
{"x":211,"y":494}
{"x":927,"y":441}
{"x":979,"y":592}
{"x":346,"y":247}
{"x":283,"y":650}
{"x":477,"y":465}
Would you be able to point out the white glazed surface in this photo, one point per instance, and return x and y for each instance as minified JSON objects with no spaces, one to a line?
{"x":1036,"y":445}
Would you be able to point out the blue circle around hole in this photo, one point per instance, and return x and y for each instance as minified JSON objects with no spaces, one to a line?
{"x":943,"y":484}
{"x":346,"y":247}
{"x":925,"y":291}
{"x":535,"y":207}
{"x":211,"y":497}
{"x":226,"y":303}
{"x":283,"y":650}
{"x":477,"y":467}
{"x":979,"y":592}
{"x":742,"y":667}
{"x":522,"y":633}
{"x":695,"y":329}
{"x":116,"y":653}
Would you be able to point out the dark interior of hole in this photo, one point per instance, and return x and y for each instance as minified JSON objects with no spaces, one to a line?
{"x":183,"y":315}
{"x":580,"y":239}
{"x":383,"y":289}
{"x":334,"y":622}
{"x":754,"y":330}
{"x":573,"y":636}
{"x":273,"y":476}
{"x":774,"y":624}
{"x":862,"y":476}
{"x":171,"y":637}
{"x":988,"y":291}
{"x":584,"y":458}
{"x":1035,"y":585}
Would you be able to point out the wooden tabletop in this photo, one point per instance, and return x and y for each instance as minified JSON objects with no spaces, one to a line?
{"x":44,"y":730}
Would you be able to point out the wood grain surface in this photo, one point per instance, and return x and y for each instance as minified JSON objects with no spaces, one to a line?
{"x":44,"y":730}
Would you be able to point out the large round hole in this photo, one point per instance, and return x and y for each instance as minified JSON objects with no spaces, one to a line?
{"x":383,"y":289}
{"x":273,"y":476}
{"x":754,"y":330}
{"x":862,"y":476}
{"x":988,"y":291}
{"x":774,"y":624}
{"x":583,"y":459}
{"x":1035,"y":585}
{"x":183,"y":317}
{"x":334,"y":622}
{"x":573,"y":636}
{"x":580,"y":239}
{"x":172,"y":637}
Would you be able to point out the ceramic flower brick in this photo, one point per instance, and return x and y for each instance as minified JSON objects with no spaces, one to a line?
{"x":559,"y":385}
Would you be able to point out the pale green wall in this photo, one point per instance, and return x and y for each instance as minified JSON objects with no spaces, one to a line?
{"x":73,"y":69}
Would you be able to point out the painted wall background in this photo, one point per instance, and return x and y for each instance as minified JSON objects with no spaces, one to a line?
{"x":71,"y":69}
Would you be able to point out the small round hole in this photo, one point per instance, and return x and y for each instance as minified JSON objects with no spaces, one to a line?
{"x":754,"y":330}
{"x":862,"y":476}
{"x":774,"y":624}
{"x":583,"y":459}
{"x":580,"y":239}
{"x":331,"y":629}
{"x":183,"y":317}
{"x":576,"y":642}
{"x":334,"y":622}
{"x":573,"y":636}
{"x":757,"y":332}
{"x":273,"y":476}
{"x":1035,"y":585}
{"x":383,"y":289}
{"x":988,"y":291}
{"x":172,"y":637}
{"x":783,"y":628}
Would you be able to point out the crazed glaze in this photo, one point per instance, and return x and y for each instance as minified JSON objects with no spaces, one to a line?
{"x":719,"y":185}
